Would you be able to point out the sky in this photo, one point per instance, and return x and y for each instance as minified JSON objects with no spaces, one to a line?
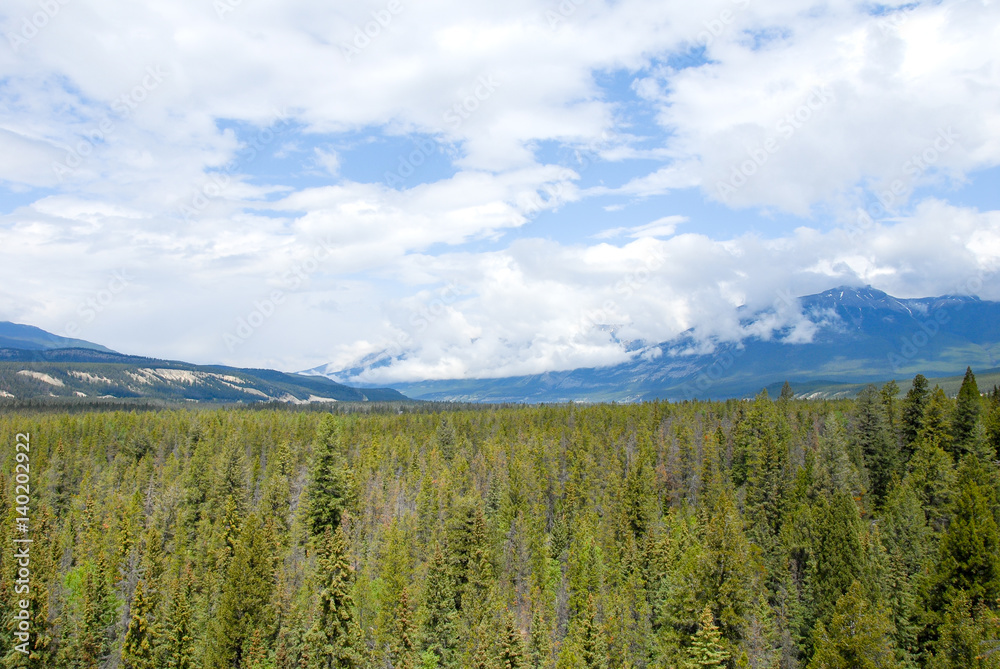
{"x":484,"y":189}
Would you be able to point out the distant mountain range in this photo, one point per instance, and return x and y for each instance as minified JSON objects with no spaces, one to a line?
{"x":37,"y":364}
{"x":859,"y":335}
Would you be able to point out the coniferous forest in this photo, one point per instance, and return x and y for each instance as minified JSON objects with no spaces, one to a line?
{"x":767,"y":533}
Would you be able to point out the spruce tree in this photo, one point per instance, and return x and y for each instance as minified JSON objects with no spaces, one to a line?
{"x":244,"y":604}
{"x":914,"y":405}
{"x":590,"y":641}
{"x":402,"y":648}
{"x":333,"y":637}
{"x":510,"y":652}
{"x":137,"y":647}
{"x":706,"y":650}
{"x":837,"y":553}
{"x":936,"y":429}
{"x":967,"y":409}
{"x":729,"y":567}
{"x":177,"y":649}
{"x":872,"y":437}
{"x":438,"y":629}
{"x":329,"y":486}
{"x":969,"y":558}
{"x":858,"y":635}
{"x":760,"y":452}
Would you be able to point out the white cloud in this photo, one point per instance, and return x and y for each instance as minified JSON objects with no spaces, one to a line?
{"x":538,"y":306}
{"x":145,"y":131}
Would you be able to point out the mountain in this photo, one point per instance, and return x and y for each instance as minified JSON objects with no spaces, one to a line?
{"x":858,"y":335}
{"x":30,"y":338}
{"x":46,"y":366}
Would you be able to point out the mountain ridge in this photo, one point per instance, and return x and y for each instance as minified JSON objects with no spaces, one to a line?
{"x":65,"y":370}
{"x":860,"y":335}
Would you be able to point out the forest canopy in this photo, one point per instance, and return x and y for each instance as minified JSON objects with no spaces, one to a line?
{"x":767,"y":533}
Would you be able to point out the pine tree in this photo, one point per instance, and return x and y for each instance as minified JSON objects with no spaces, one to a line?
{"x":329,"y":487}
{"x":706,"y":648}
{"x":540,"y":635}
{"x":729,"y":567}
{"x":760,"y":445}
{"x":858,"y":636}
{"x":936,"y":428}
{"x":872,"y":437}
{"x":177,"y":649}
{"x":914,"y":405}
{"x":991,"y":426}
{"x":837,"y":553}
{"x":333,"y":637}
{"x":967,"y":409}
{"x":590,"y":639}
{"x":510,"y":651}
{"x":244,"y":604}
{"x":967,"y":638}
{"x":932,"y":477}
{"x":137,"y":647}
{"x":438,"y":630}
{"x":402,"y":644}
{"x":787,"y":394}
{"x":969,"y":559}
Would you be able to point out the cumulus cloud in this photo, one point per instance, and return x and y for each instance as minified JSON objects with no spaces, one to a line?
{"x":539,"y":305}
{"x":229,"y":160}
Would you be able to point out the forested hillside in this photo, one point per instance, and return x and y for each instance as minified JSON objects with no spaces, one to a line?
{"x":768,"y":533}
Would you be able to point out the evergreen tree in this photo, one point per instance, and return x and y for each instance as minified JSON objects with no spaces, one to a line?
{"x":786,"y":393}
{"x":510,"y":646}
{"x":760,"y":445}
{"x":872,"y":437}
{"x":177,"y":649}
{"x":968,"y":637}
{"x":991,"y":427}
{"x":244,"y":605}
{"x":967,"y":409}
{"x":590,"y":640}
{"x":329,"y":487}
{"x":969,"y":559}
{"x":706,"y":648}
{"x":539,"y":637}
{"x":438,"y":630}
{"x":137,"y":647}
{"x":936,"y":428}
{"x":729,"y":566}
{"x":837,"y":554}
{"x":932,"y":477}
{"x":858,"y":636}
{"x":332,"y":639}
{"x":914,"y":405}
{"x":402,"y":645}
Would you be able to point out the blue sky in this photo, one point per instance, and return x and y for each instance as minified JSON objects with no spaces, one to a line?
{"x":480,"y":191}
